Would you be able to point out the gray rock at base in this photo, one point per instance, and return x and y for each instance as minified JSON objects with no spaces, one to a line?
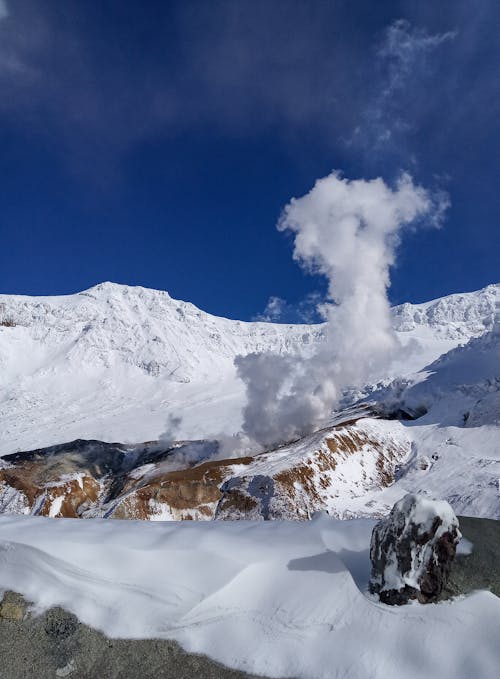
{"x":412,"y":550}
{"x":55,"y":644}
{"x":477,"y":565}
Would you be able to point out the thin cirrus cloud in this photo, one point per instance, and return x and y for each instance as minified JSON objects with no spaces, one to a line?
{"x":236,"y":66}
{"x":60,"y":77}
{"x":404,"y":61}
{"x":104,"y":77}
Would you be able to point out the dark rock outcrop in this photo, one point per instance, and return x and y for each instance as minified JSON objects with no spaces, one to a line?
{"x":412,"y":550}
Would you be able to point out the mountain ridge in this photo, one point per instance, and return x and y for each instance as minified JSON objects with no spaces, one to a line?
{"x":73,"y":368}
{"x":117,"y":363}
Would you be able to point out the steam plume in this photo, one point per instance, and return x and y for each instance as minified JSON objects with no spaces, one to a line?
{"x":347,"y":231}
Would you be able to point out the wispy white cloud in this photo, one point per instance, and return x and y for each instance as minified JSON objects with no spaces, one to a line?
{"x":4,"y":10}
{"x":273,"y":313}
{"x":241,"y":67}
{"x":403,"y":46}
{"x":404,"y":50}
{"x":402,"y":60}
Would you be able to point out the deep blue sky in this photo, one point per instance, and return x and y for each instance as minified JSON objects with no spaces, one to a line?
{"x":156,"y":143}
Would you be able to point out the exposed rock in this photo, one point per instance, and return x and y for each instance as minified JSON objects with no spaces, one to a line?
{"x":246,"y":497}
{"x":476,"y":563}
{"x":325,"y":471}
{"x":91,"y":478}
{"x":412,"y":550}
{"x":13,"y":607}
{"x":56,"y":644}
{"x":190,"y":494}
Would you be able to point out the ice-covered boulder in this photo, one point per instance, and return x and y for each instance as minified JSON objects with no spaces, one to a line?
{"x":412,"y":550}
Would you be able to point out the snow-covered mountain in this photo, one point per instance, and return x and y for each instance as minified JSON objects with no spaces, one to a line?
{"x":454,"y":317}
{"x":116,"y":363}
{"x":456,"y":438}
{"x":117,"y":326}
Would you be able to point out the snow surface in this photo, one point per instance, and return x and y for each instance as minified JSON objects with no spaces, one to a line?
{"x":272,"y":598}
{"x":118,"y":363}
{"x":456,"y":444}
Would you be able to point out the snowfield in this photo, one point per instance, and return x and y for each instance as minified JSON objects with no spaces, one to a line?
{"x":281,"y":599}
{"x":456,"y":443}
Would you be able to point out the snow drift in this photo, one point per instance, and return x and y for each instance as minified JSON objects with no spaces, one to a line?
{"x":280,"y":599}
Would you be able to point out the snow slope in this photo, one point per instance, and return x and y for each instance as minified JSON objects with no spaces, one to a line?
{"x":272,"y":598}
{"x":114,"y":362}
{"x":456,"y":443}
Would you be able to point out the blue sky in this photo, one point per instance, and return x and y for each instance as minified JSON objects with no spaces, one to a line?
{"x":156,"y":143}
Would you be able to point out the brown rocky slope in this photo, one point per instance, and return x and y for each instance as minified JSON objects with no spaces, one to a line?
{"x":327,"y":470}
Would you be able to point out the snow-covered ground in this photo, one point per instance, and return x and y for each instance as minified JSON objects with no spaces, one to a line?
{"x":456,"y":444}
{"x":272,"y":598}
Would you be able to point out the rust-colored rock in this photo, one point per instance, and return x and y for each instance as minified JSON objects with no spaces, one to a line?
{"x":92,"y":478}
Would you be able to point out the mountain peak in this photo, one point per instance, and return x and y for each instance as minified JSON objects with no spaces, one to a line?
{"x":108,"y":287}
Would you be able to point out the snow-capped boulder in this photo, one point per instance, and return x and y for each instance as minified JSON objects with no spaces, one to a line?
{"x":412,"y":550}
